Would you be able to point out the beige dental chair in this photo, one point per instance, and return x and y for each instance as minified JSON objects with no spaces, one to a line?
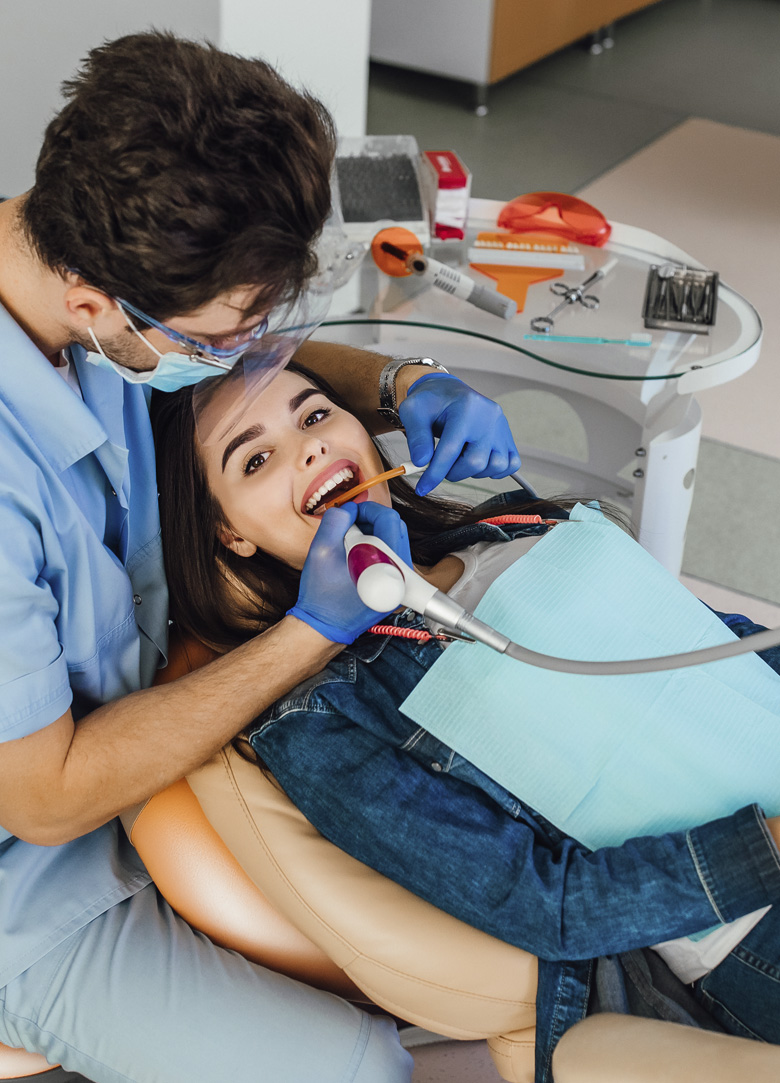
{"x":313,"y":912}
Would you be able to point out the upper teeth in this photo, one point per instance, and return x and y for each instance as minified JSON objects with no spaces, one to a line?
{"x":331,"y":483}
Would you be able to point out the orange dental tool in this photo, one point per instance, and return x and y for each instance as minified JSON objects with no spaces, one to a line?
{"x":404,"y":468}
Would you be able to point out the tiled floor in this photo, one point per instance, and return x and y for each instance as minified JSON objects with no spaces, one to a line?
{"x":569,"y":118}
{"x":617,"y":128}
{"x":454,"y":1062}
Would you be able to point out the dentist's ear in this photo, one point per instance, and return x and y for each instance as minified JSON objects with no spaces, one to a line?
{"x":240,"y":546}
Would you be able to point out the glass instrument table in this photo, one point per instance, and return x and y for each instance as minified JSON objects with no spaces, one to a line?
{"x":617,"y":422}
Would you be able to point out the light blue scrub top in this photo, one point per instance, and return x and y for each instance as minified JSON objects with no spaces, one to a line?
{"x":83,"y":610}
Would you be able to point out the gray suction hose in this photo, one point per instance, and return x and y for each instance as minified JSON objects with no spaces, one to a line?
{"x":443,"y":610}
{"x":521,"y":481}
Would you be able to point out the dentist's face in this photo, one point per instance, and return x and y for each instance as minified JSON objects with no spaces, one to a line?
{"x":292,"y":451}
{"x":217,"y":323}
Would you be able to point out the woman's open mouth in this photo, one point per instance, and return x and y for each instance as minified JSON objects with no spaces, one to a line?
{"x":346,"y":477}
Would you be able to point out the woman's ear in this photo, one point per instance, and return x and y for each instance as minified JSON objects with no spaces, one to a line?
{"x":240,"y":546}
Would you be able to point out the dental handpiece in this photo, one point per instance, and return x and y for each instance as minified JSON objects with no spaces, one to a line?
{"x":384,"y":582}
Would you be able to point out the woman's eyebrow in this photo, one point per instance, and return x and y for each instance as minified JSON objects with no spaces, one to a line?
{"x":257,"y":430}
{"x":242,"y":438}
{"x":302,"y":396}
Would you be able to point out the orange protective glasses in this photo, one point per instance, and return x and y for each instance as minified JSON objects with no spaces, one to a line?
{"x":558,"y":213}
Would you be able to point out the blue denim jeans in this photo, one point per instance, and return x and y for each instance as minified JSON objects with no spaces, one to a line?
{"x":743,"y":992}
{"x":387,"y":792}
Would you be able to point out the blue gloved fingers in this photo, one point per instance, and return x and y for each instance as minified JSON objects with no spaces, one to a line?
{"x":504,"y":442}
{"x":419,"y":435}
{"x":497,"y":466}
{"x":471,"y":463}
{"x":504,"y":458}
{"x":459,"y":454}
{"x":333,"y":527}
{"x":472,"y":429}
{"x":515,"y":462}
{"x":501,"y":451}
{"x":327,"y":598}
{"x":385,"y":524}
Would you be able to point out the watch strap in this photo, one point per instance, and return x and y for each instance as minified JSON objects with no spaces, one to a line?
{"x":388,"y":394}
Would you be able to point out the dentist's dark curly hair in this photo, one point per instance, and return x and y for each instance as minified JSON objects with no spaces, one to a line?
{"x":177,"y":172}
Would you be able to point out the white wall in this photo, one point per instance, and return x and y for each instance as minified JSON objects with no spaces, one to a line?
{"x":43,"y":41}
{"x":319,"y":44}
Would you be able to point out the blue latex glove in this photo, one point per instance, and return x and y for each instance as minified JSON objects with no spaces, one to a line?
{"x":327,"y":598}
{"x":474,"y":436}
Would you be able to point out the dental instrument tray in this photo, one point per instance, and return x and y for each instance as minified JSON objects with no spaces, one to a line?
{"x":680,"y":298}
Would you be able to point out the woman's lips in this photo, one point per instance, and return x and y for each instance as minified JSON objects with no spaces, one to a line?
{"x":325,"y":476}
{"x":318,"y":511}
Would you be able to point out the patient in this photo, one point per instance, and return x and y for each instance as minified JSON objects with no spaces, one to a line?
{"x":238,"y":518}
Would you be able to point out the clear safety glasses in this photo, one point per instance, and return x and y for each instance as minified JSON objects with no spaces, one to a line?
{"x":244,"y":364}
{"x":227,"y":349}
{"x":220,"y":402}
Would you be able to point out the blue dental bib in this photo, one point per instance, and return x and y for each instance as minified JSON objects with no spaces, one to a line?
{"x":607,"y":758}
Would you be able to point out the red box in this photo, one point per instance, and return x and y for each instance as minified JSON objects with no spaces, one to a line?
{"x":453,"y":181}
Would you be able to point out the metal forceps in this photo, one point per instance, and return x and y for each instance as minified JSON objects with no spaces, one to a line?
{"x":572,"y":295}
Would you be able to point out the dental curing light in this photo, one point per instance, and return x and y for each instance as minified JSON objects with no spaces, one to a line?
{"x":398,"y":252}
{"x":384,"y":581}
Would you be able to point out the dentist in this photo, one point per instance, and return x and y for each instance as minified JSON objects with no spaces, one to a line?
{"x":169,"y":235}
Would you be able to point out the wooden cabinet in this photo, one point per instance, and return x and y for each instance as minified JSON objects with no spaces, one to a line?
{"x":527,"y":30}
{"x":482,"y":41}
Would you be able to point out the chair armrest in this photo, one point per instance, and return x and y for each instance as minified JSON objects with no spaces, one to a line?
{"x":621,"y":1049}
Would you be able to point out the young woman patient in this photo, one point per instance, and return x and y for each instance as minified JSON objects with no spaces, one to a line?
{"x":238,"y":517}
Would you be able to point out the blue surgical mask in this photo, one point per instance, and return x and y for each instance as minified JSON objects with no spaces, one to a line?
{"x":173,"y":370}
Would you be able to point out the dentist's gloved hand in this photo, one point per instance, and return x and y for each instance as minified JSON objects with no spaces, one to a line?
{"x":327,"y":598}
{"x":474,"y":436}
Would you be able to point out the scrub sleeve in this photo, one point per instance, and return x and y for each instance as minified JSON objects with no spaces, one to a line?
{"x":96,"y":971}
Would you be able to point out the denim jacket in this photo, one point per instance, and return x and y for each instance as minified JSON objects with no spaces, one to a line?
{"x":386,"y":791}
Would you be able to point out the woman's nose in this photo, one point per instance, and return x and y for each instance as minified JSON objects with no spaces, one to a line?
{"x":313,"y":449}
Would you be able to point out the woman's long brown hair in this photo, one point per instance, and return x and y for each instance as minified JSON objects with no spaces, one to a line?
{"x":203,"y":574}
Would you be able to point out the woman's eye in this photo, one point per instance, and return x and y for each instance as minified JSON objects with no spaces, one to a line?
{"x":315,"y":416}
{"x":253,"y":464}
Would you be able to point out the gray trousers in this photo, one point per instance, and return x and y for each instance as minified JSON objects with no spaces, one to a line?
{"x":56,"y":1075}
{"x":138,"y":996}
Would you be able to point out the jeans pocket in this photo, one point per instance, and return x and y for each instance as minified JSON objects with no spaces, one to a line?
{"x":743,"y":992}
